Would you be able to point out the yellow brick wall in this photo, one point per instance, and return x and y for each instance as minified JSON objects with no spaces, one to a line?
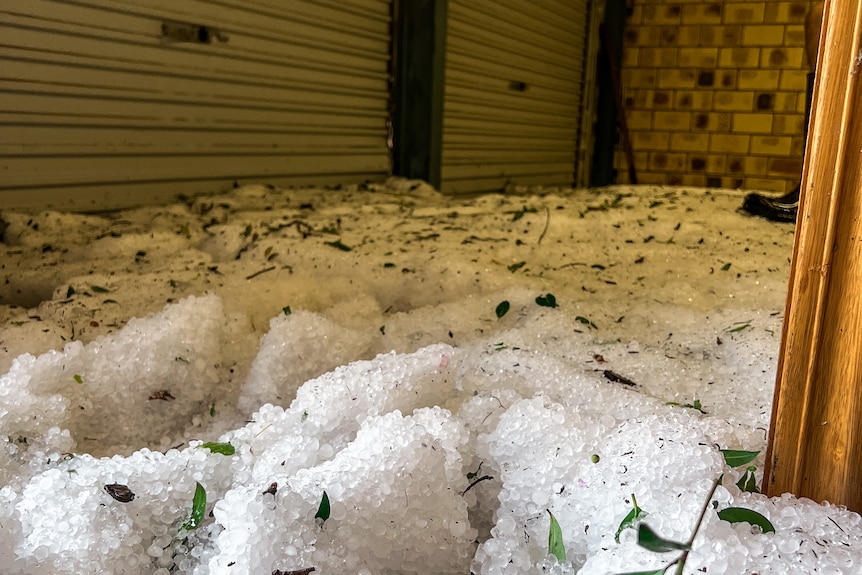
{"x":714,"y":92}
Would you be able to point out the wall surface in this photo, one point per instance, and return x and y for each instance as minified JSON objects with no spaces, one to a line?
{"x":715,"y":92}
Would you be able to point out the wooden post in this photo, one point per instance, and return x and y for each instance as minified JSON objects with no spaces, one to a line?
{"x":815,"y":441}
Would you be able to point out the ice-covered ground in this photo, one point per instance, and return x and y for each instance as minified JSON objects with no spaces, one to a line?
{"x":349,"y":342}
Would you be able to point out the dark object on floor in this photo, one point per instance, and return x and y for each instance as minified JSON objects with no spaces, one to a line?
{"x":782,"y":209}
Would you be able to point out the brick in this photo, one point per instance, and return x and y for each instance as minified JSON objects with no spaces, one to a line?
{"x":758,"y":79}
{"x":656,"y":99}
{"x":782,"y":57}
{"x":747,"y":13}
{"x":693,"y":100}
{"x":728,"y":143}
{"x":785,"y":12}
{"x":669,"y":36}
{"x":639,"y":119}
{"x":689,"y":142}
{"x":634,"y":16}
{"x":768,"y":185}
{"x":775,"y":101}
{"x":675,"y":179}
{"x":771,"y":145}
{"x":785,"y":167}
{"x":706,"y":78}
{"x":688,"y":36}
{"x":711,"y":122}
{"x":630,"y":57}
{"x":658,"y":57}
{"x":630,"y":98}
{"x":749,"y":165}
{"x":672,"y":121}
{"x":788,"y":124}
{"x":716,"y":164}
{"x":661,"y":14}
{"x":638,"y":78}
{"x":642,"y":36}
{"x":664,"y":162}
{"x":739,"y":57}
{"x":697,"y":163}
{"x":649,"y":178}
{"x":794,"y":36}
{"x":793,"y":80}
{"x":787,"y":102}
{"x":762,"y":35}
{"x":722,"y":36}
{"x":698,"y":57}
{"x":693,"y":180}
{"x":676,"y":78}
{"x":727,"y":79}
{"x":641,"y":160}
{"x":752,"y":123}
{"x":650,"y":140}
{"x":797,"y":146}
{"x":702,"y":13}
{"x":733,"y":101}
{"x":764,"y":101}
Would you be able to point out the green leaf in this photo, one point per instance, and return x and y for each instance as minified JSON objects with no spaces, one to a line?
{"x":502,"y":309}
{"x":323,"y":510}
{"x":555,"y":539}
{"x":515,"y":267}
{"x":696,"y":405}
{"x":388,"y":265}
{"x":520,"y":213}
{"x":547,"y":300}
{"x":339,"y":246}
{"x":70,"y":292}
{"x":725,"y":267}
{"x":78,"y":378}
{"x":748,"y":482}
{"x":742,"y":515}
{"x":629,"y":520}
{"x":739,"y":328}
{"x":649,"y":539}
{"x":223,"y":448}
{"x":99,"y":289}
{"x":595,"y":458}
{"x":286,"y":309}
{"x":199,"y":505}
{"x":736,"y":458}
{"x":212,"y":410}
{"x":586,"y":321}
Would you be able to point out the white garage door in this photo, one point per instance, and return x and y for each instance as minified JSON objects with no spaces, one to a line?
{"x":513,"y":94}
{"x":109,"y":103}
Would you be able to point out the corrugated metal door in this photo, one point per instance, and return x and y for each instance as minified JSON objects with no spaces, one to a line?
{"x":514,"y":82}
{"x":108,"y":103}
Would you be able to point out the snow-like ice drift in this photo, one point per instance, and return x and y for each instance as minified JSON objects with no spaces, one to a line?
{"x":441,"y":433}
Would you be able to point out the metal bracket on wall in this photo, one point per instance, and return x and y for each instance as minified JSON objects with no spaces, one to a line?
{"x":188,"y":32}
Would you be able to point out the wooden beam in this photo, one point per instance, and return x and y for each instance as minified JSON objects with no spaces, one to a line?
{"x":418,"y":66}
{"x":815,"y":442}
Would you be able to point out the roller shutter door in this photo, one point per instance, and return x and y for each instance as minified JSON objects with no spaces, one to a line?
{"x":110,"y":103}
{"x":513,"y":93}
